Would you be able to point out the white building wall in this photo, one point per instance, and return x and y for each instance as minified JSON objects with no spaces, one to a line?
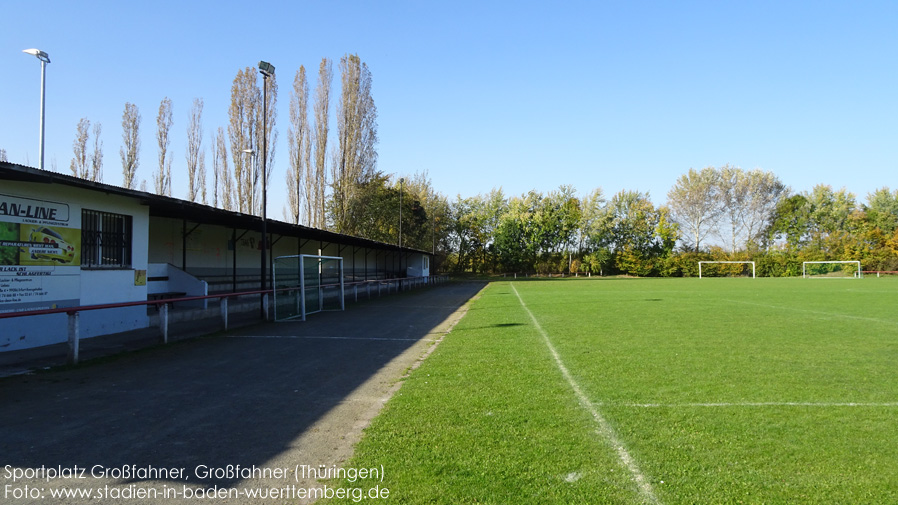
{"x":97,"y":286}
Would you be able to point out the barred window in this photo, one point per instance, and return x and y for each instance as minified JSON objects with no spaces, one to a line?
{"x":105,"y":240}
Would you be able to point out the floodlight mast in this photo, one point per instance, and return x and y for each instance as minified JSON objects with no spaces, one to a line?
{"x":267,"y":71}
{"x":45,"y":58}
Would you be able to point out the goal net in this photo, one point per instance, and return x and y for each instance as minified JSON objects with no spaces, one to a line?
{"x":726,"y":269}
{"x":305,"y":284}
{"x":831,"y":269}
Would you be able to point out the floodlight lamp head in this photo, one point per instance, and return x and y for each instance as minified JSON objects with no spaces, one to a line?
{"x":249,"y":151}
{"x":37,"y":53}
{"x":266,"y":69}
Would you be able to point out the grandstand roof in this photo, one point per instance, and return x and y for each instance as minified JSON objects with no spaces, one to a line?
{"x":165,"y":206}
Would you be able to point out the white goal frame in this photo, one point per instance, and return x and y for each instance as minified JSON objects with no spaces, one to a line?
{"x":857,"y":275}
{"x":302,"y":287}
{"x":752,"y":263}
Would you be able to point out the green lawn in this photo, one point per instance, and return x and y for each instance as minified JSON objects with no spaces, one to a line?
{"x":705,"y":390}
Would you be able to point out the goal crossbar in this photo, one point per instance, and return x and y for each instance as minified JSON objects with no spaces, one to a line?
{"x":752,"y":263}
{"x":858,"y":273}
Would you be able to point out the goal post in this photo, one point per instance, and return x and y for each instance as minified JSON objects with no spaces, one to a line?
{"x":831,"y":270}
{"x":305,"y":284}
{"x":732,"y":271}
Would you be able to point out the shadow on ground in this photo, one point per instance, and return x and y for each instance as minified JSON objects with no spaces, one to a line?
{"x":241,"y":398}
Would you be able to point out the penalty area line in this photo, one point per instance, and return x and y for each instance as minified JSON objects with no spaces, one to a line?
{"x":820,"y":313}
{"x":604,"y":427}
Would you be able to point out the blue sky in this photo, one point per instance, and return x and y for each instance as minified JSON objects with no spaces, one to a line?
{"x":519,"y":95}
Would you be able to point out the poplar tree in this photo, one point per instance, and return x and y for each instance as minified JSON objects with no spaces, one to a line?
{"x":79,"y":165}
{"x":298,"y":145}
{"x":243,"y":113}
{"x":316,"y":177}
{"x":357,"y":136}
{"x":130,"y":150}
{"x":96,"y":157}
{"x":196,"y":162}
{"x":163,"y":127}
{"x":223,"y":193}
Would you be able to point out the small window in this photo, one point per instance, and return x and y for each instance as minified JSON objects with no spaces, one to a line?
{"x":105,"y":240}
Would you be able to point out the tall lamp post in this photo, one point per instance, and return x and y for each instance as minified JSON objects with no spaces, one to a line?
{"x":267,"y":70}
{"x":401,"y":180}
{"x":44,"y":60}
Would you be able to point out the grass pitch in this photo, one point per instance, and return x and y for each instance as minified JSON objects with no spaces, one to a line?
{"x":653,"y":391}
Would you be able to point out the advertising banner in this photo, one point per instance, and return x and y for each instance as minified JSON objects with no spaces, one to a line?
{"x":40,"y":255}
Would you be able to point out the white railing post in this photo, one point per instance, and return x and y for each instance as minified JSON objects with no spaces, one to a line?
{"x":224,"y":312}
{"x":74,"y":319}
{"x":163,"y":322}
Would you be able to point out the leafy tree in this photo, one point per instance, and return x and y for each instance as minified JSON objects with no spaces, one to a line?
{"x":558,"y":219}
{"x":597,"y":261}
{"x":882,"y":209}
{"x":695,"y":204}
{"x":517,"y":237}
{"x":632,"y":225}
{"x":763,"y":193}
{"x":592,"y":210}
{"x":130,"y":150}
{"x":432,"y":233}
{"x":791,"y":221}
{"x":829,"y":210}
{"x":375,"y":208}
{"x":732,"y":194}
{"x":474,"y":223}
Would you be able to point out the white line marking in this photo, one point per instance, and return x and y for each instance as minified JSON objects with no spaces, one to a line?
{"x":826,"y":315}
{"x":751,"y":404}
{"x":333,"y":338}
{"x":604,"y":427}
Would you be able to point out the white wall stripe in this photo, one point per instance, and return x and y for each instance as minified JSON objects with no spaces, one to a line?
{"x":604,"y":427}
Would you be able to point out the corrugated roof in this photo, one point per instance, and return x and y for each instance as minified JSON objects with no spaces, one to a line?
{"x":165,"y":206}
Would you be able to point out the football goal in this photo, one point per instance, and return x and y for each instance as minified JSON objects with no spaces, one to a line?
{"x":831,"y":270}
{"x":306,"y":284}
{"x":726,"y":269}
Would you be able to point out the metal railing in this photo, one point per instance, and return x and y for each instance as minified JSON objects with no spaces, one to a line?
{"x":74,"y":313}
